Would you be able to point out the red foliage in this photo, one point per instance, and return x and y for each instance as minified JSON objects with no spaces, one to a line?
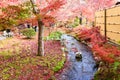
{"x":46,"y":8}
{"x":47,"y":17}
{"x":48,"y":20}
{"x":53,"y":6}
{"x":92,"y":36}
{"x":102,"y":53}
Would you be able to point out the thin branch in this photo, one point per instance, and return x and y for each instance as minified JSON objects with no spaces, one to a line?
{"x":34,"y":8}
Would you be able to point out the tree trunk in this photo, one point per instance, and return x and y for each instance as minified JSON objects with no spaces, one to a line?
{"x":40,"y":30}
{"x":40,"y":36}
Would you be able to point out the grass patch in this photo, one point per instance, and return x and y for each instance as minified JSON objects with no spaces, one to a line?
{"x":6,"y":53}
{"x":58,"y":66}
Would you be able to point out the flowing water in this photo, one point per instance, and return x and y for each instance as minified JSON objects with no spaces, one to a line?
{"x":77,"y":70}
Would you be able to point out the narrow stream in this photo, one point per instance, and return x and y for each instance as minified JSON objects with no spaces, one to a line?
{"x":77,"y":70}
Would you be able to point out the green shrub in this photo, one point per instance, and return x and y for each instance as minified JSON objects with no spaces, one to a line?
{"x":54,"y":36}
{"x":76,"y":22}
{"x":28,"y":32}
{"x":58,"y":66}
{"x":108,"y":71}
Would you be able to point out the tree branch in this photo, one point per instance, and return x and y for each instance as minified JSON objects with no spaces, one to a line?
{"x":35,"y":11}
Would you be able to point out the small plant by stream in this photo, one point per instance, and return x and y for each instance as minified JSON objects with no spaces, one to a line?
{"x":54,"y":36}
{"x":107,"y":71}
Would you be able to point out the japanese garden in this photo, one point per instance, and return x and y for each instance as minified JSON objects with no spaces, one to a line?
{"x":59,"y":39}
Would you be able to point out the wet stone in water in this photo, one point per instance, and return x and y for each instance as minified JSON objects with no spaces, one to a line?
{"x":78,"y":56}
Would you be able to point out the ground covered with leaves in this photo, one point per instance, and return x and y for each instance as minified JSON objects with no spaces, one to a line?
{"x":18,"y":60}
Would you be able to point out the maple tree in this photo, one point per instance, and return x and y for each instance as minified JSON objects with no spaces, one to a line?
{"x":43,"y":15}
{"x":11,"y":16}
{"x":42,"y":10}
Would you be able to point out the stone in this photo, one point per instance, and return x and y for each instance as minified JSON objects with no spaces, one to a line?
{"x":78,"y":56}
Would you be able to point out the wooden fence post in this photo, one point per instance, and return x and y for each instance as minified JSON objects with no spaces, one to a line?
{"x":105,"y":25}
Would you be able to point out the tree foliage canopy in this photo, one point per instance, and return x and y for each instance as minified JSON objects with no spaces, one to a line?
{"x":65,"y":9}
